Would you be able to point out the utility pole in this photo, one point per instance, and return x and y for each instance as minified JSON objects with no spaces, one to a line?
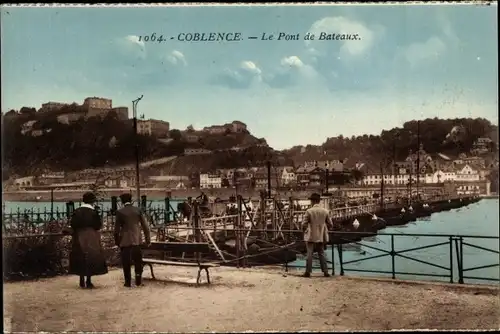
{"x":418,"y":156}
{"x":410,"y":182}
{"x":327,"y":177}
{"x":268,"y":179}
{"x":382,"y":185}
{"x":136,"y":137}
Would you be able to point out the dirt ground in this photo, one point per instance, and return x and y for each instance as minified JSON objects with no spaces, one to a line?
{"x":240,"y":300}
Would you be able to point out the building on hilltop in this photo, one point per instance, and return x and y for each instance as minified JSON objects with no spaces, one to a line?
{"x":91,"y":107}
{"x":98,"y":103}
{"x":153,"y":127}
{"x":52,"y":106}
{"x":101,"y":107}
{"x":233,"y":127}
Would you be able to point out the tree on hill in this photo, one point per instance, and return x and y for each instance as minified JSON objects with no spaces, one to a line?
{"x":27,"y":111}
{"x":175,"y":134}
{"x":396,"y":143}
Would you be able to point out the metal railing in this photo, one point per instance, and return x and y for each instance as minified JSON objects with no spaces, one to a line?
{"x":452,"y":264}
{"x":455,"y":252}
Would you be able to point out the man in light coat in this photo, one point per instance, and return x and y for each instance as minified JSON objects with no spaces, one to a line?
{"x":129,"y":223}
{"x":315,"y":225}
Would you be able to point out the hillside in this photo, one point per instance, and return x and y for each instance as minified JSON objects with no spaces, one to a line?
{"x":109,"y":142}
{"x":447,"y":136}
{"x":250,"y":157}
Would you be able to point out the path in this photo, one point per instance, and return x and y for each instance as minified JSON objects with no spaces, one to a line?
{"x":250,"y":299}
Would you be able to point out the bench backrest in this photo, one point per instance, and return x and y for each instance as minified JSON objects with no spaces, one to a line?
{"x":187,"y":247}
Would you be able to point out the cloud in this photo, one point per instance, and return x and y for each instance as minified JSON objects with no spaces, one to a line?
{"x":292,"y":71}
{"x":428,"y":51}
{"x":124,"y":51}
{"x":447,"y":29}
{"x":135,"y":40}
{"x":343,"y":25}
{"x":177,"y":58}
{"x":249,"y":66}
{"x":247,"y":74}
{"x":292,"y":61}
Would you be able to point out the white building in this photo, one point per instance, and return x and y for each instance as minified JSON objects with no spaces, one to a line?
{"x":391,"y":179}
{"x":26,"y":181}
{"x":27,"y":127}
{"x":467,"y":173}
{"x":468,"y":190}
{"x":440,"y":176}
{"x":210,"y":181}
{"x":288,"y":176}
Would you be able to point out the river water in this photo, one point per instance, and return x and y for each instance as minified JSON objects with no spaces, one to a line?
{"x":478,"y":219}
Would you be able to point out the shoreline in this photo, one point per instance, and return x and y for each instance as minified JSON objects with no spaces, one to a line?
{"x":151,"y":193}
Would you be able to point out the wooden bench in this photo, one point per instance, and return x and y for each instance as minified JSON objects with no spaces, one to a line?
{"x":181,"y":247}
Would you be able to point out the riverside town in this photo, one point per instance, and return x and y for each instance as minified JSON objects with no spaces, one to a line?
{"x":230,"y":187}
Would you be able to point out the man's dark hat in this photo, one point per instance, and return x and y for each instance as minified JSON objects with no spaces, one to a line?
{"x":315,"y":197}
{"x":89,"y":198}
{"x":126,"y":197}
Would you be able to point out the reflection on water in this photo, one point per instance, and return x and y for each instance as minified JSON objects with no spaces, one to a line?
{"x":371,"y":239}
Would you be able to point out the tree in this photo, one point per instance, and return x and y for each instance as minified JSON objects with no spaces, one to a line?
{"x":175,"y":134}
{"x":11,"y":112}
{"x":27,"y":111}
{"x":190,"y":129}
{"x":225,"y":182}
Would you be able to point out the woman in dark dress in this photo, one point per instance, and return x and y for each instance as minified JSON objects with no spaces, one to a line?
{"x":87,"y":257}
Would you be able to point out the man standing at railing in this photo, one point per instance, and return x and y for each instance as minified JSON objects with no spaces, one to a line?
{"x":128,"y":225}
{"x":315,"y":225}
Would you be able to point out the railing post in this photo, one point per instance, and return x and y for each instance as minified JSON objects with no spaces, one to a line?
{"x":393,"y":257}
{"x":341,"y":259}
{"x":461,"y":280}
{"x":451,"y":259}
{"x":333,"y":255}
{"x":167,"y":210}
{"x":70,"y":207}
{"x":196,"y":222}
{"x":114,"y":205}
{"x":459,"y":261}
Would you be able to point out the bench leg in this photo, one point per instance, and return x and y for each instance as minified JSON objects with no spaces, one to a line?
{"x":199,"y":276}
{"x":208,"y":275}
{"x":151,"y":269}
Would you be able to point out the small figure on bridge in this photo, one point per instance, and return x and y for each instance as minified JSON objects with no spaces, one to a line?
{"x":204,"y":205}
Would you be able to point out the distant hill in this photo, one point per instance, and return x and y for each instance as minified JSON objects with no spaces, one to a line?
{"x":447,"y":136}
{"x":110,"y":142}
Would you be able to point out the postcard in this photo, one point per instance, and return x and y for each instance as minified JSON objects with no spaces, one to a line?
{"x":251,"y":167}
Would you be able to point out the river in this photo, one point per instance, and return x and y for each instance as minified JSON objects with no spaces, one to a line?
{"x":478,"y":219}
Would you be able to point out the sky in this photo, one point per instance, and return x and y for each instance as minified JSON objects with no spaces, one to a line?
{"x":410,"y":62}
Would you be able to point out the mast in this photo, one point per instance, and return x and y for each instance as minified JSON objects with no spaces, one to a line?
{"x":418,"y":156}
{"x":382,"y":187}
{"x":410,"y":181}
{"x":268,"y":179}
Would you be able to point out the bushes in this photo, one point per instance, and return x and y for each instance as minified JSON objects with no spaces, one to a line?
{"x":44,"y":256}
{"x":33,"y":257}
